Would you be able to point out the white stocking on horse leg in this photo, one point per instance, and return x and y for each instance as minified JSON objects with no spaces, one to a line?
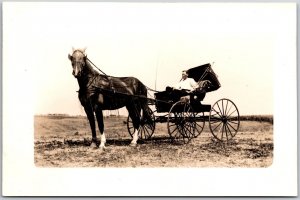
{"x":134,"y":138}
{"x":103,"y":141}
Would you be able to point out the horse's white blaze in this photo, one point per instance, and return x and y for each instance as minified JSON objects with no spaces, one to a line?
{"x":76,"y":70}
{"x":103,"y":140}
{"x":135,"y":137}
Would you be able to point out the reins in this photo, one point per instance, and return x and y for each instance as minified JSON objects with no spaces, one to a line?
{"x":96,"y":66}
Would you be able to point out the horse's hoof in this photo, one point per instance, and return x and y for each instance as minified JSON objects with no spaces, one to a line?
{"x":102,"y":147}
{"x":133,"y":144}
{"x":94,"y":146}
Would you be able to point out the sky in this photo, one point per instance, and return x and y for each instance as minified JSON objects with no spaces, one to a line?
{"x":153,"y":42}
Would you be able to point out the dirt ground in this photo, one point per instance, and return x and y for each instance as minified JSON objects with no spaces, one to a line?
{"x":64,"y":142}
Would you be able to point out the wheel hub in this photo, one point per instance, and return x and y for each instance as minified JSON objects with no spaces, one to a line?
{"x":224,"y":119}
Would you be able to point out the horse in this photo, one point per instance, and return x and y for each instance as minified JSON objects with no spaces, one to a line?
{"x":98,"y":92}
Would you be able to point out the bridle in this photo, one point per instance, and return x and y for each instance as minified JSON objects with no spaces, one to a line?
{"x":78,"y":64}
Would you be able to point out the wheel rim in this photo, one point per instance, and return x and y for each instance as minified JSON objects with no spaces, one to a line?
{"x":224,"y":120}
{"x":181,"y":123}
{"x":146,"y":128}
{"x":200,"y":122}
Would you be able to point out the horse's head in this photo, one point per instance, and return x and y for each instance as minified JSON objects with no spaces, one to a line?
{"x":78,"y":59}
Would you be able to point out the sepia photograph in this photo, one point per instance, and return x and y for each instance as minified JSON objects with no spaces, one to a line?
{"x":177,"y":91}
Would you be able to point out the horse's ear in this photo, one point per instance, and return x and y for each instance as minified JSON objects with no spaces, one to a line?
{"x":73,"y":49}
{"x":70,"y":57}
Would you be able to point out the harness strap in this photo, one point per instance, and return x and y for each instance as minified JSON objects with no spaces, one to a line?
{"x":96,"y":66}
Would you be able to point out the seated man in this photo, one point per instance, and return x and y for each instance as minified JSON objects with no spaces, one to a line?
{"x":186,"y":83}
{"x":182,"y":89}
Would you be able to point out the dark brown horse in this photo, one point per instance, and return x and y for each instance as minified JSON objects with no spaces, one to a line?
{"x":99,"y":92}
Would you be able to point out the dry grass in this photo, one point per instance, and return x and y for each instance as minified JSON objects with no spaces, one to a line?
{"x":64,"y":142}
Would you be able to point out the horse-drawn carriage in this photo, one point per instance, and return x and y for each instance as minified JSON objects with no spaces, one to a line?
{"x":181,"y":110}
{"x":185,"y":114}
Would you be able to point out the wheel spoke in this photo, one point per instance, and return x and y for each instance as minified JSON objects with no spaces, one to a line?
{"x":229,"y":109}
{"x":184,"y":131}
{"x":233,"y":122}
{"x":198,"y":125}
{"x":217,"y":126}
{"x":171,"y":132}
{"x":234,"y":118}
{"x":223,"y":107}
{"x":229,"y":130}
{"x":232,"y":127}
{"x":222,"y":133}
{"x":148,"y":133}
{"x":226,"y":108}
{"x":188,"y":125}
{"x":178,"y":133}
{"x":150,"y":126}
{"x":219,"y":109}
{"x":216,"y":112}
{"x":189,"y":129}
{"x":231,"y":113}
{"x":144,"y":133}
{"x":225,"y":127}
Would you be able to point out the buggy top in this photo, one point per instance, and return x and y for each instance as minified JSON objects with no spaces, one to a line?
{"x":205,"y":73}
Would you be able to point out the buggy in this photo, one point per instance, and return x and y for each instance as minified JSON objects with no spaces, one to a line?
{"x":184,"y":112}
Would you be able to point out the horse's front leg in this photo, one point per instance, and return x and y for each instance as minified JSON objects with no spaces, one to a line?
{"x":99,"y":116}
{"x":90,"y":115}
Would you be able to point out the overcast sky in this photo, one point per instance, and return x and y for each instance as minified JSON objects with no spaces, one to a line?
{"x":150,"y":41}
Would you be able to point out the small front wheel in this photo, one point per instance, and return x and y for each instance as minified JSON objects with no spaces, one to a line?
{"x":147,"y":126}
{"x":181,"y":122}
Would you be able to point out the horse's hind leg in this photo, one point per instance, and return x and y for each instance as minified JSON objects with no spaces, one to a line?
{"x":99,"y":116}
{"x":90,"y":115}
{"x":134,"y":112}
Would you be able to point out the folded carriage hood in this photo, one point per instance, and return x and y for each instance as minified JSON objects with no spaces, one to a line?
{"x":205,"y":72}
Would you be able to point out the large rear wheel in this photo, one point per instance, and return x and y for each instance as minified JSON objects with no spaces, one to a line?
{"x":224,"y":120}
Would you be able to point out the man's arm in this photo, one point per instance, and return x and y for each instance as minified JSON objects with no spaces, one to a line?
{"x":193,"y":84}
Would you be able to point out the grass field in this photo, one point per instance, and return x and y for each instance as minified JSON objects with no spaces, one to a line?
{"x":63,"y":141}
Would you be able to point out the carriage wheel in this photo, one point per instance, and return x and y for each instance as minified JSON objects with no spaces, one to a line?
{"x":200,"y":122}
{"x":147,"y":126}
{"x":224,"y":120}
{"x":181,"y":122}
